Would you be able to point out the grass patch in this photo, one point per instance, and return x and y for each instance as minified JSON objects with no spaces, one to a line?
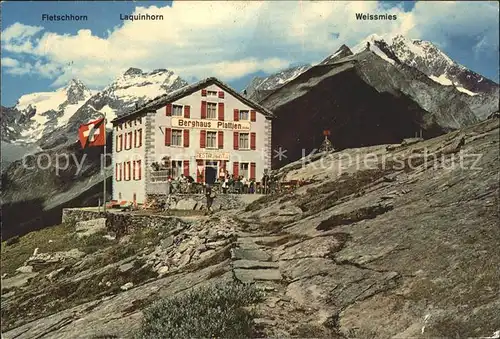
{"x":363,"y":213}
{"x":264,"y":200}
{"x":213,"y":311}
{"x":95,"y":242}
{"x":14,"y":255}
{"x":327,"y":195}
{"x":47,"y":298}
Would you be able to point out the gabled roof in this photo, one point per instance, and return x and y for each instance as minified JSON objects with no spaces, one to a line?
{"x":162,"y":100}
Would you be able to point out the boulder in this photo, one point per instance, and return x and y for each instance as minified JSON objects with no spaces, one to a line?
{"x":127,"y":286}
{"x":25,"y":269}
{"x":186,"y":204}
{"x":89,"y":227}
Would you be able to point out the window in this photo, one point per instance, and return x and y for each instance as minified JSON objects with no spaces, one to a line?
{"x":211,"y":139}
{"x":128,"y":140}
{"x":127,"y":170}
{"x":138,"y":138}
{"x":119,"y":143}
{"x":244,"y":170}
{"x":212,"y":93}
{"x":244,"y":115}
{"x":137,"y":170}
{"x":211,"y":110}
{"x":243,"y":142}
{"x":176,"y":137}
{"x":177,"y":169}
{"x":177,"y":111}
{"x":118,"y":172}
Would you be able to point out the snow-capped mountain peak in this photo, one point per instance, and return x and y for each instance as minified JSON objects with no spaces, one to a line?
{"x":259,"y":86}
{"x":342,"y":52}
{"x":42,"y":111}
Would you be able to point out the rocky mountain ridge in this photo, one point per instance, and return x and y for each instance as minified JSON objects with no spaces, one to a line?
{"x":482,"y":93}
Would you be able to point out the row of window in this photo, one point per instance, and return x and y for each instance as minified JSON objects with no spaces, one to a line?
{"x":209,"y":110}
{"x":211,"y":139}
{"x":128,"y":170}
{"x":129,"y":139}
{"x":128,"y":124}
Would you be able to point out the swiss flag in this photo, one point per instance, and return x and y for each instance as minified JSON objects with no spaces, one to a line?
{"x":92,"y":134}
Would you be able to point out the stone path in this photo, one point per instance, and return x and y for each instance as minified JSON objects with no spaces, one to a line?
{"x":252,"y":262}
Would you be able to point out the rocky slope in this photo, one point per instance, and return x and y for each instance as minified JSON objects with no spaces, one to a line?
{"x":33,"y":196}
{"x":259,"y":87}
{"x":408,"y":240}
{"x":363,"y":100}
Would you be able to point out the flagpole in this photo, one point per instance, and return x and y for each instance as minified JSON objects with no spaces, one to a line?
{"x":104,"y":169}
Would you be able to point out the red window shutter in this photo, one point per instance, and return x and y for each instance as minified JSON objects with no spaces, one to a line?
{"x":221,"y":94}
{"x":186,"y":168}
{"x":203,"y":110}
{"x":186,"y":138}
{"x":253,"y":115}
{"x":139,"y":133}
{"x":203,"y":138}
{"x":168,"y":110}
{"x":139,"y":169}
{"x":135,"y":138}
{"x":134,"y":168}
{"x":128,"y":171}
{"x":252,"y":171}
{"x":236,"y":114}
{"x":200,"y":175}
{"x":221,"y":111}
{"x":118,"y":143}
{"x":236,"y":169}
{"x":121,"y":142}
{"x":220,"y":138}
{"x":236,"y":137}
{"x":203,"y":92}
{"x":187,"y":111}
{"x":168,"y":136}
{"x":253,"y":140}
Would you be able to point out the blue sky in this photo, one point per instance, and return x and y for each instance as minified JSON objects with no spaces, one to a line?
{"x":233,"y":41}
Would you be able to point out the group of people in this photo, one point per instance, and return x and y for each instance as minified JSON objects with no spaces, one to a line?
{"x":226,"y":184}
{"x":182,"y":184}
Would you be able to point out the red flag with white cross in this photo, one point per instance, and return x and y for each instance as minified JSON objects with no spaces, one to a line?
{"x":92,"y":133}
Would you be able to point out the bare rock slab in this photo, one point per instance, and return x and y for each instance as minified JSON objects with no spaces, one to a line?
{"x":254,"y":264}
{"x":250,"y":254}
{"x":247,"y":276}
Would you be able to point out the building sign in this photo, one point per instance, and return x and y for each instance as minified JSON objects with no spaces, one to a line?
{"x":212,"y":155}
{"x":210,"y":124}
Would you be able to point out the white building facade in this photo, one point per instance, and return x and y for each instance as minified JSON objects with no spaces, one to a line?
{"x":201,"y":130}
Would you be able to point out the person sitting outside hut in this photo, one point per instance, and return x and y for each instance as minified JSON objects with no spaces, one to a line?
{"x":251,"y":187}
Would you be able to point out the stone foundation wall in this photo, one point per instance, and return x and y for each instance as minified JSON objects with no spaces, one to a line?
{"x":71,"y":216}
{"x":199,"y":201}
{"x":122,"y":223}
